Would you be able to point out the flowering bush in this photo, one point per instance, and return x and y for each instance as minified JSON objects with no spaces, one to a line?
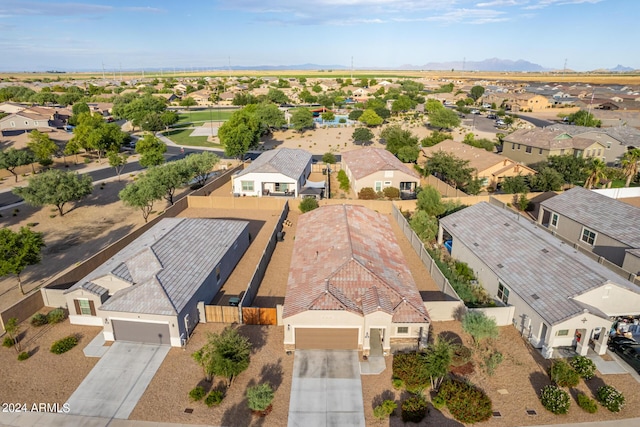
{"x":554,"y":399}
{"x":583,"y":366}
{"x":611,"y":398}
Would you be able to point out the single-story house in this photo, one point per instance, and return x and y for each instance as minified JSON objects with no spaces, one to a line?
{"x":561,"y":297}
{"x":490,"y":167}
{"x":349,"y":285}
{"x":279,"y":172}
{"x":605,"y":226}
{"x":378,"y":168}
{"x":149,"y":291}
{"x":26,"y":121}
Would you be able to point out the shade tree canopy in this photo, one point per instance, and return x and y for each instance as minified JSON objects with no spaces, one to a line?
{"x":18,"y":250}
{"x":55,"y":187}
{"x":151,"y":151}
{"x":11,"y":159}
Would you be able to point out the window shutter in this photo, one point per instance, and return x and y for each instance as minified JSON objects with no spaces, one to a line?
{"x":92,"y":308}
{"x":76,"y":303}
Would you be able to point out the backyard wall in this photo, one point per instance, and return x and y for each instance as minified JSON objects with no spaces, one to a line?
{"x":442,"y":311}
{"x":503,"y":315}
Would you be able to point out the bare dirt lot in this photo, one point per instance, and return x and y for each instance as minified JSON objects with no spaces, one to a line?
{"x":513,"y":388}
{"x":167,"y":397}
{"x":45,"y":377}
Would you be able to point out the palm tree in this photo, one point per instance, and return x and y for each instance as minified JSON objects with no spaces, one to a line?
{"x":629,"y":164}
{"x":596,"y":170}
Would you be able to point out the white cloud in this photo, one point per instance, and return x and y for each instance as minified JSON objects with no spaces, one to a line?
{"x":540,"y":4}
{"x":38,"y":8}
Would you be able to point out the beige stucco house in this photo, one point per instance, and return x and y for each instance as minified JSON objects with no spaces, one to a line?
{"x":349,"y":286}
{"x":607,"y":227}
{"x":560,"y":296}
{"x":150,"y":290}
{"x":378,"y":168}
{"x":530,"y":146}
{"x":490,"y":167}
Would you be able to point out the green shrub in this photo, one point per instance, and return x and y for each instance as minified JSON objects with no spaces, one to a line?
{"x":343,"y":179}
{"x":39,"y":319}
{"x":463,"y":271}
{"x":23,"y":356}
{"x":342,"y":120}
{"x":308,"y":204}
{"x":56,"y":315}
{"x":385,"y":409}
{"x":492,"y":362}
{"x":461,"y":355}
{"x":367,"y":193}
{"x":410,"y":368}
{"x":586,"y":403}
{"x":414,"y":409}
{"x":8,"y":342}
{"x":197,"y":393}
{"x":467,"y":403}
{"x":554,"y":399}
{"x":63,"y":345}
{"x":259,"y":397}
{"x":563,"y":374}
{"x":583,"y":366}
{"x":391,"y":193}
{"x":438,"y":402}
{"x":214,"y":398}
{"x":611,"y":398}
{"x":397,"y":383}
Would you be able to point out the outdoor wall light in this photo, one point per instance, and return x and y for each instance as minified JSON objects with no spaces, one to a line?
{"x":106,"y":321}
{"x":288,"y":327}
{"x":366,"y":335}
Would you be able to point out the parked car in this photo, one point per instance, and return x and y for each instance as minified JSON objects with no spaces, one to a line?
{"x":500,"y":122}
{"x":486,"y":105}
{"x":492,"y":116}
{"x":475,"y":111}
{"x":628,"y":350}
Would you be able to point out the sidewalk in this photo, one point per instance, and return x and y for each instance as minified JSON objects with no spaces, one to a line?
{"x":629,"y":422}
{"x":36,"y":419}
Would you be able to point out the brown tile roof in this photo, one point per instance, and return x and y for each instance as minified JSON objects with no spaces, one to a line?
{"x":478,"y":158}
{"x":365,"y":161}
{"x":546,"y":138}
{"x":339,"y":264}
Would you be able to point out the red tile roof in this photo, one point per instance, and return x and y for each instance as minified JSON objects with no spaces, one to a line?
{"x":365,"y":161}
{"x":346,"y":257}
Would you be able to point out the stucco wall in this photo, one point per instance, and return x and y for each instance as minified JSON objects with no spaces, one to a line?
{"x":395,"y":178}
{"x":632,"y":263}
{"x":259,"y":179}
{"x":442,"y":311}
{"x":322,"y":319}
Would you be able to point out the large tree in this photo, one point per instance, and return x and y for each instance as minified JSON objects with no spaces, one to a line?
{"x":151,"y":151}
{"x":269,"y":116}
{"x":430,"y":202}
{"x":42,"y":147}
{"x":169,"y":118}
{"x":479,"y":326}
{"x":201,"y":166}
{"x":444,"y":119}
{"x":397,"y":138}
{"x":55,"y":187}
{"x":226,"y":354}
{"x":240,"y":133}
{"x":117,"y":161}
{"x":515,"y":184}
{"x":453,"y":170}
{"x":547,"y":179}
{"x":629,"y":163}
{"x":277,"y":96}
{"x":425,"y":225}
{"x":476,"y":92}
{"x":18,"y":250}
{"x":142,"y":194}
{"x":170,"y":177}
{"x":584,"y":118}
{"x":571,"y":168}
{"x":370,"y":118}
{"x":403,"y":103}
{"x":12,"y":159}
{"x":301,"y":119}
{"x":362,"y":135}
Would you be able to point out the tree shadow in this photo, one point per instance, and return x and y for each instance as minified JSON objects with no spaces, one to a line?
{"x":34,"y":350}
{"x":237,"y":415}
{"x":273,"y":374}
{"x":539,"y":380}
{"x":385,"y":395}
{"x":450,"y":336}
{"x":206,"y":385}
{"x":257,"y":334}
{"x":594,"y":384}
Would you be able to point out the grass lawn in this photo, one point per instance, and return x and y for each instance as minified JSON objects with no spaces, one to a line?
{"x":205,"y":116}
{"x":619,"y":183}
{"x":182,"y":137}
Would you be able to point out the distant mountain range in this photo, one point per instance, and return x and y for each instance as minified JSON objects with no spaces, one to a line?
{"x":621,"y":69}
{"x":492,"y":64}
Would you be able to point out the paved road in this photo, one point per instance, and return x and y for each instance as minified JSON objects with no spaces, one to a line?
{"x":536,"y":121}
{"x":326,"y":389}
{"x":173,"y":153}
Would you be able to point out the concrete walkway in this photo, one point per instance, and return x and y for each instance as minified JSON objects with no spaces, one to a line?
{"x":114,"y":386}
{"x":326,"y":389}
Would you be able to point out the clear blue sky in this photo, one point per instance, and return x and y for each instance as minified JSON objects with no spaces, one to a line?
{"x":46,"y":35}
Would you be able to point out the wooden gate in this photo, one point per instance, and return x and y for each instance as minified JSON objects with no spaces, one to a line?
{"x":259,"y":316}
{"x":221,"y":314}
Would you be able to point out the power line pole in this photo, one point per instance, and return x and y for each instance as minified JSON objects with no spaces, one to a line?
{"x":564,"y":69}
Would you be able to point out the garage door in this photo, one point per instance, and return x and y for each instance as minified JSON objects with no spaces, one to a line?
{"x":152,"y":333}
{"x":326,"y":339}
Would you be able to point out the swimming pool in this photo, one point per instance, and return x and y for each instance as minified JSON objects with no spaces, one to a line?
{"x":335,"y":121}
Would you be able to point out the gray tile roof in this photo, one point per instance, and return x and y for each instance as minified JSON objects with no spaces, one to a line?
{"x":627,"y":135}
{"x":167,"y":264}
{"x":290,"y":162}
{"x":548,"y":139}
{"x":533,"y":264}
{"x":600,"y":213}
{"x":94,"y":289}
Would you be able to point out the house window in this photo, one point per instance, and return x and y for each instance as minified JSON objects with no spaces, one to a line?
{"x":85,"y":308}
{"x":378,"y":186}
{"x":403,"y":329}
{"x":528,"y":149}
{"x":518,"y":146}
{"x":387,"y":183}
{"x":13,"y":124}
{"x":513,"y":146}
{"x":247,"y":185}
{"x":562,"y":333}
{"x":588,"y":236}
{"x":562,"y":151}
{"x":540,"y":152}
{"x":554,"y":220}
{"x":587,"y":153}
{"x":503,"y":293}
{"x":599,"y":152}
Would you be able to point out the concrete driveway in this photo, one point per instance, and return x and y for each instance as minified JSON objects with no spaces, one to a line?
{"x":326,"y":389}
{"x":114,"y":386}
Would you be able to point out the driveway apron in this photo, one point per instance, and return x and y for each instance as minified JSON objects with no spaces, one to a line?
{"x":114,"y":386}
{"x":326,"y":389}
